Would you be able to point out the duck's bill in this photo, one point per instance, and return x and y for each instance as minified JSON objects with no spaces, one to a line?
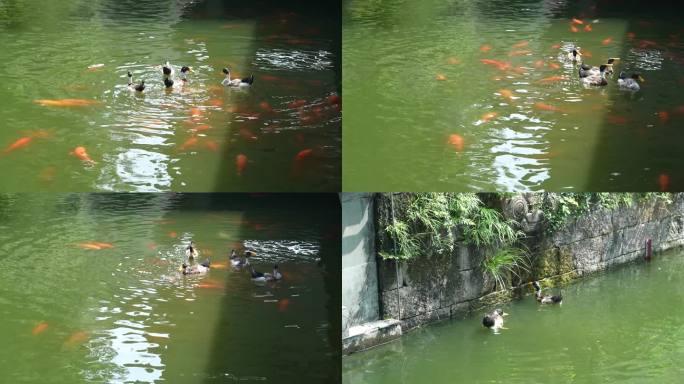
{"x":505,"y":314}
{"x":642,"y":79}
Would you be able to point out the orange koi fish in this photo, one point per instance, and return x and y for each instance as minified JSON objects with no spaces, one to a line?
{"x":587,"y":28}
{"x":201,"y":127}
{"x":216,"y":102}
{"x":573,"y":29}
{"x":82,"y":154}
{"x":521,"y":52}
{"x":191,"y":142}
{"x":488,"y":116}
{"x":297,"y":104}
{"x":440,"y":77}
{"x":66,"y":102}
{"x":577,"y":21}
{"x":40,"y":328}
{"x":554,"y":66}
{"x":173,"y":234}
{"x":240,"y":163}
{"x":485,"y":48}
{"x":219,"y":266}
{"x":506,"y":94}
{"x":20,"y":143}
{"x":607,"y":41}
{"x":333,"y":99}
{"x":546,"y":107}
{"x":211,"y":145}
{"x":539,"y":63}
{"x":664,"y":116}
{"x":88,"y":246}
{"x":521,"y":44}
{"x":555,"y":46}
{"x":499,"y":64}
{"x":551,"y":79}
{"x":103,"y":245}
{"x":210,"y":285}
{"x":304,"y":153}
{"x":77,"y":338}
{"x":265,"y":106}
{"x":283,"y":304}
{"x":457,"y":141}
{"x":454,"y":61}
{"x":664,"y":182}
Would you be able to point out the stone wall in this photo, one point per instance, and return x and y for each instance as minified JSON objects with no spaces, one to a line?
{"x":437,"y":287}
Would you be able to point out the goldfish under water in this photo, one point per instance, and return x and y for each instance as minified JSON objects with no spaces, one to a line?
{"x":82,"y":154}
{"x":240,"y":163}
{"x":66,"y":102}
{"x":40,"y":328}
{"x":456,"y":141}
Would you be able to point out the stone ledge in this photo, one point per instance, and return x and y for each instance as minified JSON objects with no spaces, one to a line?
{"x":371,"y":334}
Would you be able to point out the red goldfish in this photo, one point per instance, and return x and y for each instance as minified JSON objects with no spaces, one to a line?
{"x":82,"y":154}
{"x":211,"y":145}
{"x":457,"y":141}
{"x":554,"y":66}
{"x":191,"y":142}
{"x":440,"y":77}
{"x":539,"y":63}
{"x":297,"y":104}
{"x":550,"y":79}
{"x":265,"y":106}
{"x":216,"y":102}
{"x":485,"y":48}
{"x":304,"y":153}
{"x":506,"y":94}
{"x":577,"y":21}
{"x":333,"y":99}
{"x":555,"y":46}
{"x":283,"y":304}
{"x":499,"y":64}
{"x":77,"y":338}
{"x":587,"y":28}
{"x":664,"y":116}
{"x":546,"y":107}
{"x":40,"y":328}
{"x":240,"y":163}
{"x":521,"y":44}
{"x":521,"y":52}
{"x":173,"y":234}
{"x":607,"y":41}
{"x":66,"y":102}
{"x":573,"y":29}
{"x":664,"y":182}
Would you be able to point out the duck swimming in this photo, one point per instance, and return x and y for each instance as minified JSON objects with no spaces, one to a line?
{"x":136,"y":87}
{"x":575,"y":55}
{"x":631,"y":83}
{"x":494,"y":320}
{"x":262,"y":277}
{"x":196,"y":269}
{"x":167,"y":71}
{"x":596,"y":80}
{"x":586,"y":70}
{"x":244,"y":82}
{"x":184,"y":74}
{"x":545,"y":299}
{"x":237,"y":261}
{"x":191,"y":252}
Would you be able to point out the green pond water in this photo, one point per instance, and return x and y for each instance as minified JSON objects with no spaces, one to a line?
{"x":623,"y":326}
{"x":71,"y":313}
{"x":400,"y":117}
{"x":187,"y":139}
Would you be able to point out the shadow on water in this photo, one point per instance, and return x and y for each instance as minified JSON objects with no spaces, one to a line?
{"x":285,"y":359}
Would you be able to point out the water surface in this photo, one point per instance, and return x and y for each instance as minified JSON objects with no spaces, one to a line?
{"x":425,"y":113}
{"x":187,"y":139}
{"x":622,"y":326}
{"x":72,"y":313}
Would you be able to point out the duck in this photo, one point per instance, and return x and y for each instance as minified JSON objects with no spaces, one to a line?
{"x":167,"y":71}
{"x":586,"y":70}
{"x":545,"y":299}
{"x":136,"y":87}
{"x":276,"y":275}
{"x":191,"y":252}
{"x":257,"y":276}
{"x":629,"y":83}
{"x":575,"y":55}
{"x":597,"y":80}
{"x":184,"y":74}
{"x":196,"y":269}
{"x":244,"y":82}
{"x":494,"y":320}
{"x":237,"y":261}
{"x":263,"y":277}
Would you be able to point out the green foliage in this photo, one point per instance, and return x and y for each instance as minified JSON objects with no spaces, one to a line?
{"x":504,"y":264}
{"x":489,"y":227}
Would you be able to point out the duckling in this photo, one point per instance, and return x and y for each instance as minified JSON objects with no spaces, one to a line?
{"x":184,"y":74}
{"x":244,"y":82}
{"x":190,"y":251}
{"x":575,"y":55}
{"x":494,"y":320}
{"x":136,"y":87}
{"x":545,"y":299}
{"x":596,"y":80}
{"x":631,"y":83}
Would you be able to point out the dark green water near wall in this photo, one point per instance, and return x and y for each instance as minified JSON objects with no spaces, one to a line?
{"x":187,"y":139}
{"x":623,"y":325}
{"x":399,"y":117}
{"x":123,"y":313}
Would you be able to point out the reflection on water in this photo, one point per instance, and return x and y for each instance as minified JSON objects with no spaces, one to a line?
{"x":482,"y":95}
{"x":186,"y":138}
{"x":96,"y":289}
{"x":620,"y":326}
